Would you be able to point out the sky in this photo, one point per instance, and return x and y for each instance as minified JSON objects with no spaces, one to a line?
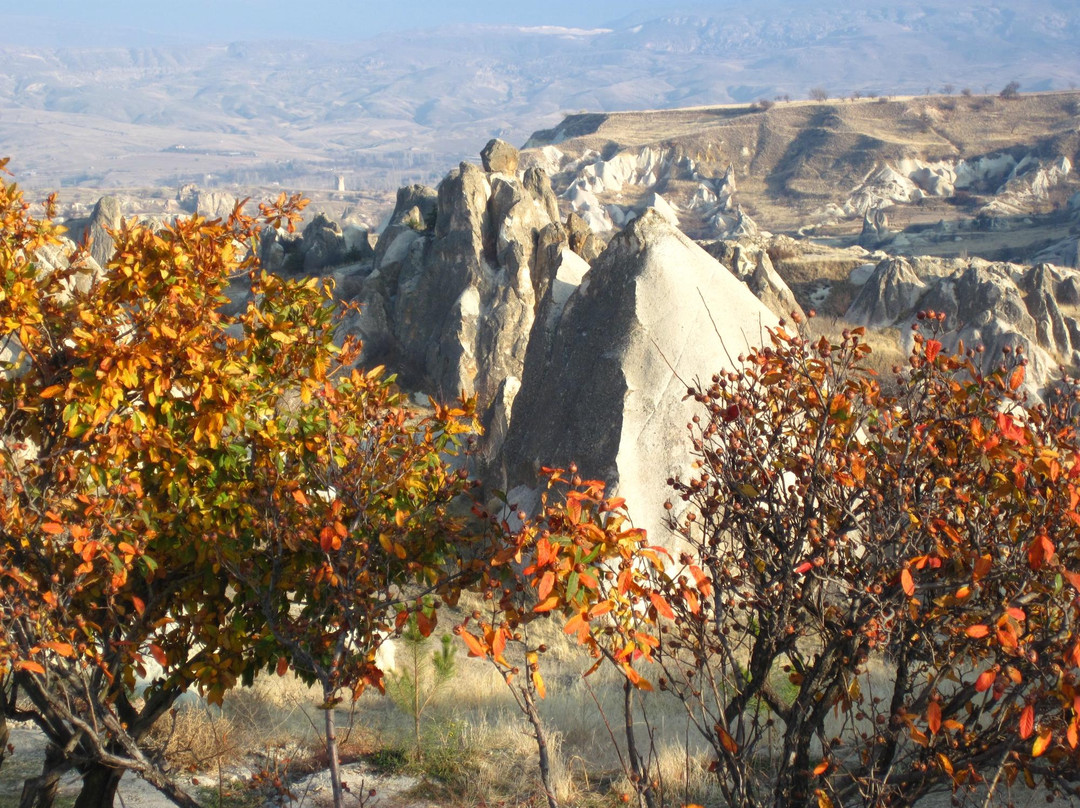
{"x":135,"y":22}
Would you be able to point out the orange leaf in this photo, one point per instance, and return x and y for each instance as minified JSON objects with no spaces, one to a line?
{"x":1017,"y":378}
{"x":282,"y":666}
{"x":821,"y":768}
{"x":52,"y":528}
{"x":726,"y":740}
{"x":662,"y":607}
{"x":1039,"y":551}
{"x":547,"y":605}
{"x":1027,"y":721}
{"x":933,"y":717}
{"x":977,"y":631}
{"x":159,"y":655}
{"x":477,"y":648}
{"x":28,"y":665}
{"x":1042,"y":743}
{"x":985,"y":680}
{"x":538,"y":683}
{"x":547,"y":581}
{"x":424,"y":624}
{"x":51,"y":391}
{"x":907,"y":583}
{"x":933,"y":348}
{"x":299,"y":496}
{"x":62,"y":648}
{"x":498,"y":646}
{"x":577,"y":625}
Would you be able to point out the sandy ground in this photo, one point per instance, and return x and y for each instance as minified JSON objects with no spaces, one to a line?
{"x":311,"y":792}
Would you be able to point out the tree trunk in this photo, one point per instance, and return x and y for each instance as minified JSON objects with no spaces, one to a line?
{"x":99,"y":787}
{"x":639,"y":772}
{"x":40,"y":792}
{"x":332,"y":751}
{"x":541,"y":745}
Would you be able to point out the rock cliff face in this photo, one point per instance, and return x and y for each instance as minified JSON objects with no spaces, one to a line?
{"x":994,"y":305}
{"x":452,"y":295}
{"x":606,"y":370}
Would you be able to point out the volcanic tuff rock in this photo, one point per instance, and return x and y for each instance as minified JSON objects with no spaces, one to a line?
{"x":452,"y":294}
{"x":106,"y":216}
{"x":994,"y":305}
{"x":606,"y":370}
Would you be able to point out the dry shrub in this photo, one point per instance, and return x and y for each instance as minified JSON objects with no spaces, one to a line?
{"x":196,"y":737}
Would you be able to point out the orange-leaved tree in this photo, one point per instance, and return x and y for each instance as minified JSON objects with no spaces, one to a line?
{"x":358,"y":530}
{"x":872,"y":596}
{"x":578,"y":559}
{"x":150,"y":448}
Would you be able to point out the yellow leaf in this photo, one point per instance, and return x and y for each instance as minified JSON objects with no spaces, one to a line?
{"x":1042,"y":743}
{"x":52,"y":391}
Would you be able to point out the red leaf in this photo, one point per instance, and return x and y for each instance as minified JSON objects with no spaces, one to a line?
{"x":137,"y":602}
{"x":159,"y":655}
{"x":1027,"y":721}
{"x":933,"y":717}
{"x":1009,"y":429}
{"x":726,"y":740}
{"x":803,"y":568}
{"x":282,"y":666}
{"x":933,"y":348}
{"x":1039,"y":551}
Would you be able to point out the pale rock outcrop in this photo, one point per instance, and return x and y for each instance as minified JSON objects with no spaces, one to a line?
{"x":106,"y":216}
{"x":889,"y":294}
{"x":752,"y":265}
{"x":875,"y":229}
{"x":498,"y":156}
{"x":453,"y":292}
{"x":663,"y":207}
{"x":604,"y":386}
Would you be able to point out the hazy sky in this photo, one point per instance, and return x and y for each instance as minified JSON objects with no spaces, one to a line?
{"x":133,"y":21}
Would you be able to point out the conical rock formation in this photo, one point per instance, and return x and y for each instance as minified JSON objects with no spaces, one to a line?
{"x":604,"y":380}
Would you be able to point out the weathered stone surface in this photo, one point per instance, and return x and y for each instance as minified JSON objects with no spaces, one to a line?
{"x":875,"y":229}
{"x":322,"y":245}
{"x":500,"y":156}
{"x":106,"y":216}
{"x":538,"y":184}
{"x":582,"y":239}
{"x":601,"y":383}
{"x":889,"y":294}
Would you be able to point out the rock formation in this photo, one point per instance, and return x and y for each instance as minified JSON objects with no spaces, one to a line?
{"x":452,"y":294}
{"x":606,"y":371}
{"x":106,"y":216}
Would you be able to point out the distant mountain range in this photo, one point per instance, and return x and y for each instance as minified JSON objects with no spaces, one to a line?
{"x":404,"y":107}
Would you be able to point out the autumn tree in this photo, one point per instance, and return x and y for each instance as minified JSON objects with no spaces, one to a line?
{"x":870,"y":597}
{"x":577,"y":560}
{"x":877,"y":593}
{"x":152,"y":449}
